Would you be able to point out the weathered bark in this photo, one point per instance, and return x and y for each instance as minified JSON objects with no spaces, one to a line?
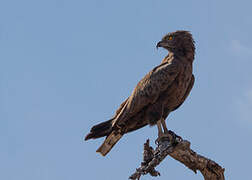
{"x":180,"y":150}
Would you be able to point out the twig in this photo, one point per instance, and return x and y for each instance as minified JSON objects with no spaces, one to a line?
{"x":180,"y":150}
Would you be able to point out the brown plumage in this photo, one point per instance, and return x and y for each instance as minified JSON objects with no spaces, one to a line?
{"x":160,"y":92}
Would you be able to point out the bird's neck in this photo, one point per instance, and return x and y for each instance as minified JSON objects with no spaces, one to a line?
{"x":188,"y":55}
{"x":170,"y":57}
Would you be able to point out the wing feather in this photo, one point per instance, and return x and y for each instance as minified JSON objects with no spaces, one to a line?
{"x":148,"y":90}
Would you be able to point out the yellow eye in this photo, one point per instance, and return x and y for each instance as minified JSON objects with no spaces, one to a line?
{"x":170,"y":38}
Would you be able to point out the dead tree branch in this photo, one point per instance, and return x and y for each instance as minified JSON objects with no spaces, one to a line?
{"x":180,"y":150}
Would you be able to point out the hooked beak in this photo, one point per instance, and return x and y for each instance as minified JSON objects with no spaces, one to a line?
{"x":161,"y":44}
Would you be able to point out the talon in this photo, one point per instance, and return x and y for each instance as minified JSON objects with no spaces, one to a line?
{"x":164,"y":137}
{"x":175,"y":137}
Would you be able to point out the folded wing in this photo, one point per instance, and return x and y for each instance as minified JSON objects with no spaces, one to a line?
{"x":148,"y":90}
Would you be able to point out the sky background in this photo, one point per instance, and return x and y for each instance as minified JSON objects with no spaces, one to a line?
{"x":67,"y":65}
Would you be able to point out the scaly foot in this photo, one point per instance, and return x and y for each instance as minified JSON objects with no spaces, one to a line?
{"x":165,"y":137}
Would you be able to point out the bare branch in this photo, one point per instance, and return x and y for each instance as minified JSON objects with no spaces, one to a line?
{"x":180,"y":150}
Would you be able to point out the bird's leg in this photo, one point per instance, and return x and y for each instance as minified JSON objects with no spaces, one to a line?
{"x":162,"y":134}
{"x":166,"y":131}
{"x":160,"y":131}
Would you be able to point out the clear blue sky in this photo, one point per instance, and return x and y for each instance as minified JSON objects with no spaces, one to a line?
{"x":67,"y":65}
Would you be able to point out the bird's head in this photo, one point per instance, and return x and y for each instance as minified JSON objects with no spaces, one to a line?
{"x":179,"y":42}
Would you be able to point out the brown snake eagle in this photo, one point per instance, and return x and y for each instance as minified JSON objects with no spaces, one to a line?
{"x":160,"y":92}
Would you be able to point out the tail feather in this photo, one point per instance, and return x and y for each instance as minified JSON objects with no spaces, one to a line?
{"x":102,"y":126}
{"x":109,"y":142}
{"x":100,"y":130}
{"x":104,"y":129}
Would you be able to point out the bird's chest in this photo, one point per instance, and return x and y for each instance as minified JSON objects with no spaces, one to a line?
{"x":175,"y":93}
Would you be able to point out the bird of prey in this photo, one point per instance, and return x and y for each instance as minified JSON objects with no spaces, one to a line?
{"x":160,"y":92}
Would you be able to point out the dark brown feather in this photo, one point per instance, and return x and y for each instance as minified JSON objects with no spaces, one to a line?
{"x":160,"y":92}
